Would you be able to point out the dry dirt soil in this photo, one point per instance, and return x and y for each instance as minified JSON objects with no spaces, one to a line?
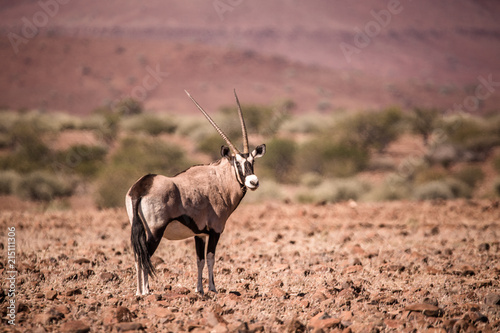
{"x":348,"y":267}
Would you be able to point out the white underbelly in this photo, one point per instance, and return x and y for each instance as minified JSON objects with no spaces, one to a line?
{"x":175,"y":230}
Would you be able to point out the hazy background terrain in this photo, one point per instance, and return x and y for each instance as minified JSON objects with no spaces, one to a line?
{"x":76,"y":56}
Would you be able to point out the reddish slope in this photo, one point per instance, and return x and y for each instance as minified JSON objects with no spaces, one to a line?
{"x":426,"y":53}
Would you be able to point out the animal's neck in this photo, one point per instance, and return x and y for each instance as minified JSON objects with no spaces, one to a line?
{"x":228,"y":174}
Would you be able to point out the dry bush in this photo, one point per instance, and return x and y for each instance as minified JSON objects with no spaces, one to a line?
{"x":471,"y":175}
{"x":149,"y":123}
{"x":334,"y":190}
{"x":280,"y":160}
{"x":135,"y":157}
{"x":433,"y":190}
{"x":44,"y":186}
{"x":8,"y":182}
{"x":331,"y":159}
{"x":496,"y":186}
{"x":392,"y":188}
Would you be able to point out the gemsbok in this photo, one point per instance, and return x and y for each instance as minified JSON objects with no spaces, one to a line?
{"x":195,"y":203}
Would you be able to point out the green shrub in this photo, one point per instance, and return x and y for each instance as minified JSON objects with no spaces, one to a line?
{"x":496,"y":164}
{"x":135,"y":157}
{"x":81,"y":159}
{"x":105,"y":124}
{"x":476,"y":135}
{"x":458,"y":188}
{"x":44,"y":186}
{"x":307,"y":123}
{"x":149,"y":123}
{"x":280,"y":160}
{"x":128,"y":107}
{"x":28,"y":152}
{"x":8,"y":182}
{"x":311,"y":179}
{"x":211,"y":146}
{"x":470,"y":175}
{"x":393,"y":188}
{"x":433,"y":190}
{"x":334,"y":191}
{"x":424,"y":121}
{"x":425,"y":175}
{"x":257,"y":117}
{"x":331,"y":159}
{"x":371,"y":129}
{"x":113,"y":183}
{"x":496,"y":186}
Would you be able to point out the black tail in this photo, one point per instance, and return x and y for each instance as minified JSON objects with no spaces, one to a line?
{"x":139,"y":243}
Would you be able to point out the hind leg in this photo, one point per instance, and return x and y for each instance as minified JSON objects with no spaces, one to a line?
{"x":200,"y":261}
{"x":142,"y":281}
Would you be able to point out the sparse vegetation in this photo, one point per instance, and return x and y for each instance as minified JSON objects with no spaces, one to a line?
{"x":372,"y":130}
{"x":319,"y":155}
{"x":8,"y":182}
{"x":44,"y":186}
{"x":331,"y":159}
{"x":470,"y":175}
{"x":149,"y":123}
{"x":280,"y":161}
{"x":424,"y":121}
{"x":496,"y":186}
{"x":433,"y":190}
{"x":81,"y":159}
{"x":334,"y":190}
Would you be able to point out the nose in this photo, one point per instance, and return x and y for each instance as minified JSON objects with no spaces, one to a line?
{"x":252,"y":182}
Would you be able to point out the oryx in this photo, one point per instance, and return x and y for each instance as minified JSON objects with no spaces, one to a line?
{"x":195,"y":203}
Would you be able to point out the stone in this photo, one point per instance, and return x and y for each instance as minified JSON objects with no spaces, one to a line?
{"x":123,"y":314}
{"x":50,"y":316}
{"x":484,"y":247}
{"x":353,"y":269}
{"x":465,"y":270}
{"x":81,"y":261}
{"x":393,"y":323}
{"x":107,"y":277}
{"x":492,"y":299}
{"x":214,"y":317}
{"x":428,"y":310}
{"x":435,"y":330}
{"x":277,"y":292}
{"x":74,"y":326}
{"x":127,"y":327}
{"x":294,"y":325}
{"x":51,"y":295}
{"x":162,"y":312}
{"x":323,"y":321}
{"x":73,"y":292}
{"x":475,"y":317}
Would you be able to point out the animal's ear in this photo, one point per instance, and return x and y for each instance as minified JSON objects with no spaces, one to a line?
{"x":259,"y":151}
{"x":225,"y":152}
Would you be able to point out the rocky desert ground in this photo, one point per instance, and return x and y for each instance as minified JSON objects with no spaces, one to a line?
{"x":402,"y":266}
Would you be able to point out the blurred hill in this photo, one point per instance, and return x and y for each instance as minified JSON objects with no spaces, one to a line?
{"x":327,"y":55}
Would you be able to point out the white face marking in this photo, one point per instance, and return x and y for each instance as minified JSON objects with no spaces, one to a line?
{"x":252,"y":182}
{"x":245,"y":169}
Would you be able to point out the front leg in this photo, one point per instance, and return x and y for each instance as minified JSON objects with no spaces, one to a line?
{"x":200,"y":261}
{"x":213,"y":239}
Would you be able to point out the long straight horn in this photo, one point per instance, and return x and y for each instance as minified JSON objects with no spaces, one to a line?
{"x":243,"y":127}
{"x":217,"y":128}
